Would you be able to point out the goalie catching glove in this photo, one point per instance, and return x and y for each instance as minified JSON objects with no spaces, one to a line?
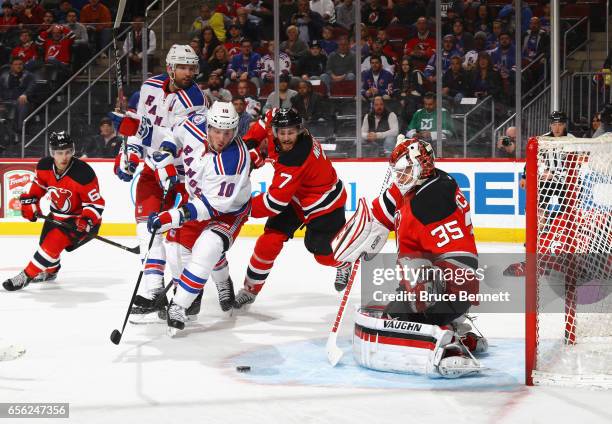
{"x":363,"y":234}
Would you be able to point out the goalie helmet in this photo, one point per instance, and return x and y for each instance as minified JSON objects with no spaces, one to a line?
{"x":181,"y":55}
{"x":222,"y":115}
{"x":60,"y":140}
{"x":412,"y":162}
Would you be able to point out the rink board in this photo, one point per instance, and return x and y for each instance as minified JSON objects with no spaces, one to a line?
{"x":491,"y":186}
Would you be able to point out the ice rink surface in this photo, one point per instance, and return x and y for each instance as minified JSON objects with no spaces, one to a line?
{"x":150,"y":378}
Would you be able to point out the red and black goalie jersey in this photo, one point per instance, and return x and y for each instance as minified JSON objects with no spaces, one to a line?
{"x":303,"y":177}
{"x":73,"y":193}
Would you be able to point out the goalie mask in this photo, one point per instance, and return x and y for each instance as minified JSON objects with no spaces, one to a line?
{"x":181,"y":55}
{"x":412,"y":162}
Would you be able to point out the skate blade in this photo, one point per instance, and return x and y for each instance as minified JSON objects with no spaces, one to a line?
{"x":172,"y":332}
{"x":145,"y":319}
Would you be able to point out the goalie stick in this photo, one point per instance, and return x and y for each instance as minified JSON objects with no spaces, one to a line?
{"x":334,"y":353}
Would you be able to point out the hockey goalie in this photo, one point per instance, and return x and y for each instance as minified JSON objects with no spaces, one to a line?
{"x":434,"y":240}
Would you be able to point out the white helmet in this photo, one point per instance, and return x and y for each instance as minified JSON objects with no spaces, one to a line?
{"x":181,"y":55}
{"x":222,"y":115}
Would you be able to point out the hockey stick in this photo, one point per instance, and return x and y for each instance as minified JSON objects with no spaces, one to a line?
{"x":334,"y":353}
{"x":67,"y":226}
{"x":116,"y":334}
{"x":120,"y":9}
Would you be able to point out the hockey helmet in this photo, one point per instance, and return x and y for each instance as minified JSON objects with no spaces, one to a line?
{"x":412,"y":162}
{"x":558,"y":116}
{"x":222,"y":115}
{"x":60,"y":140}
{"x":286,"y":118}
{"x":181,"y":55}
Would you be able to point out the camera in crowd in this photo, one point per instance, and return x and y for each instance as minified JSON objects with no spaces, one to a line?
{"x":506,"y":141}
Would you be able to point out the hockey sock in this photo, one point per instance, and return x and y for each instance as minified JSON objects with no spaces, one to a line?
{"x":221,"y":270}
{"x":48,"y":254}
{"x":267,"y":248}
{"x":153,"y":277}
{"x":328,"y":260}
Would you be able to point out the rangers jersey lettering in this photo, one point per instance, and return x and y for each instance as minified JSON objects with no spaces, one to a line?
{"x":217,"y":183}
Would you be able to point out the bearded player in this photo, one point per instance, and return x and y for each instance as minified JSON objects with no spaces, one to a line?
{"x":75,"y":198}
{"x":434,"y":238}
{"x":165,"y":100}
{"x":305,"y":191}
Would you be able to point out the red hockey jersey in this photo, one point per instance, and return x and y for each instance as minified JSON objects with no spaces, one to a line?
{"x":73,"y":193}
{"x":303,"y":177}
{"x":433,"y":222}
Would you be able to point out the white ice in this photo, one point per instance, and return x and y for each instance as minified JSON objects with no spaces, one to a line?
{"x":149,"y":378}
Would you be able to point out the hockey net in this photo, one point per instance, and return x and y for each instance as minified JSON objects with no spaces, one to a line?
{"x":569,"y":262}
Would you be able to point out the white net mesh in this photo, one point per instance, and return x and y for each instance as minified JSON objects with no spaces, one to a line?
{"x":574,"y":262}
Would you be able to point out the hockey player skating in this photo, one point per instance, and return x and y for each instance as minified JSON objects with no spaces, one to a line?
{"x":434,"y":237}
{"x":217,"y":167}
{"x":165,"y":100}
{"x":305,"y":190}
{"x":72,"y":187}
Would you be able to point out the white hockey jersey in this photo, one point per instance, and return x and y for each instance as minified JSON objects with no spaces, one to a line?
{"x":159,"y":110}
{"x":217,"y":183}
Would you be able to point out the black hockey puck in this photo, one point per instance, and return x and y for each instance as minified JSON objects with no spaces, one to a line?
{"x":115,"y":337}
{"x":243,"y":368}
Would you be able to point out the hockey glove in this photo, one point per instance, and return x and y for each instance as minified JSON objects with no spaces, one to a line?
{"x":164,"y":221}
{"x":83,"y":224}
{"x":30,"y":209}
{"x":125,"y":166}
{"x":165,"y":171}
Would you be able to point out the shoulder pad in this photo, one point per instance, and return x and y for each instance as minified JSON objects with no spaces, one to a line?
{"x":81,"y":172}
{"x":45,"y":164}
{"x":435,"y":200}
{"x":157,"y":81}
{"x":191,"y":97}
{"x":299,"y":154}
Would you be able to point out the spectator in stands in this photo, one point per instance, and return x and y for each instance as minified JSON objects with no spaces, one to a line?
{"x":379,"y":129}
{"x":98,"y":20}
{"x":245,"y":118}
{"x":328,"y":44}
{"x":507,"y":14}
{"x":61,"y":13}
{"x":376,"y":81}
{"x":219,"y":61}
{"x":471,"y":58}
{"x":483,"y":21}
{"x":423,"y":37}
{"x":373,"y":15}
{"x":209,"y":42}
{"x":340,"y":64}
{"x":48,"y":21}
{"x":234,"y":40}
{"x":31,"y":15}
{"x":406,"y":12}
{"x":325,"y":8}
{"x":595,"y":124}
{"x":387,"y":48}
{"x":456,"y":81}
{"x":287,"y":9}
{"x":419,"y":58}
{"x":448,"y":51}
{"x":80,"y":49}
{"x":104,"y":145}
{"x":308,"y":103}
{"x":285,"y":94}
{"x":133,"y":45}
{"x":535,"y":41}
{"x":215,"y":91}
{"x":377,"y":50}
{"x":506,"y":145}
{"x":257,"y":11}
{"x":504,"y":61}
{"x":8,"y":24}
{"x":26,"y":50}
{"x":313,"y":65}
{"x":485,"y":80}
{"x":248,"y":27}
{"x":464,"y":41}
{"x":228,"y":8}
{"x":244,"y":65}
{"x":267,"y":66}
{"x":16,"y":88}
{"x":408,"y":87}
{"x":365,"y":41}
{"x":545,"y":18}
{"x":493,"y":37}
{"x":294,"y":46}
{"x":309,"y":23}
{"x":424,"y":122}
{"x":204,"y":70}
{"x":253,"y":107}
{"x":201,"y":21}
{"x":345,"y":14}
{"x":57,"y":46}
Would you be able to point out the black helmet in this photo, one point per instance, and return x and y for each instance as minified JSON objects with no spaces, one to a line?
{"x":285,"y":118}
{"x":606,"y":114}
{"x":558,"y":116}
{"x":60,"y":141}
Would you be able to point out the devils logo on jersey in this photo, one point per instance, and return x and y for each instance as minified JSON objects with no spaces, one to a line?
{"x":60,"y":198}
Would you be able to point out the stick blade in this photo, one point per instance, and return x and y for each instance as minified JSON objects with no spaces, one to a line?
{"x":115,"y":337}
{"x":334,"y":353}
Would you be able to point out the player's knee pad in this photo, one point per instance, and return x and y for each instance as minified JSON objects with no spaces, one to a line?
{"x":206,"y":252}
{"x":270,"y":244}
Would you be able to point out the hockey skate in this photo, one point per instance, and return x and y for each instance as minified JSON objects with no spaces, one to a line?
{"x":177,"y":317}
{"x":193,"y":311}
{"x":46,"y":277}
{"x":457,"y":362}
{"x":226,"y":295}
{"x":342,"y":278}
{"x":17,"y":282}
{"x":145,"y":311}
{"x":244,"y":300}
